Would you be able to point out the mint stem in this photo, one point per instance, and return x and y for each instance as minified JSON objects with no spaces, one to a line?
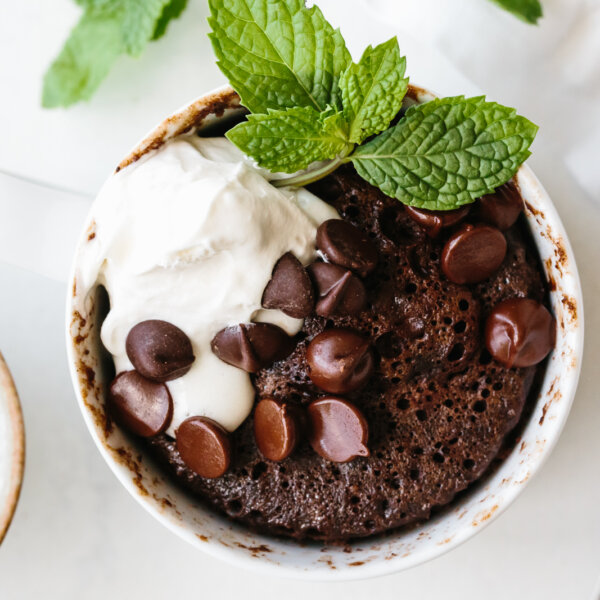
{"x":311,"y":176}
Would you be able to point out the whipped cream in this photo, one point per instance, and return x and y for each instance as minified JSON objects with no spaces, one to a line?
{"x":190,"y":234}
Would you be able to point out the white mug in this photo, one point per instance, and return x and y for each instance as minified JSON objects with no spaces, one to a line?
{"x":399,"y":549}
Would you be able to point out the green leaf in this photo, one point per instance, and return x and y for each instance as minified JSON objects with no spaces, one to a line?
{"x":447,"y":152}
{"x":527,"y":10}
{"x":290,"y":140}
{"x":278,"y":54}
{"x":373,"y":89}
{"x":171,"y":11}
{"x":85,"y":60}
{"x":107,"y":29}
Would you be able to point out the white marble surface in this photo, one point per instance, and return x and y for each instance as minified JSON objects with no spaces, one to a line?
{"x":77,"y":533}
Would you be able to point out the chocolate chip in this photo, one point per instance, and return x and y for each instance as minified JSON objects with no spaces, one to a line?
{"x":276,"y":428}
{"x":346,"y":245}
{"x":339,"y":432}
{"x":502,"y":208}
{"x":252,"y":346}
{"x":473,"y":253}
{"x":339,"y":291}
{"x":520,"y":332}
{"x":339,"y":361}
{"x":142,"y":406}
{"x":204,"y":446}
{"x":159,"y":351}
{"x":433,"y":221}
{"x":289,"y":289}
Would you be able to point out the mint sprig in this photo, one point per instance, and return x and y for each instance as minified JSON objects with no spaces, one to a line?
{"x":447,"y":152}
{"x":106,"y":30}
{"x":278,"y":54}
{"x":370,"y":93}
{"x":311,"y":104}
{"x":529,"y":11}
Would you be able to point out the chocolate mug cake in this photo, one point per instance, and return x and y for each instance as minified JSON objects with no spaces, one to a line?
{"x":324,"y":362}
{"x":420,"y":339}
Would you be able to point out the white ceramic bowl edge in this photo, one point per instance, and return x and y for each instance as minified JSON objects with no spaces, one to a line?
{"x":369,"y":557}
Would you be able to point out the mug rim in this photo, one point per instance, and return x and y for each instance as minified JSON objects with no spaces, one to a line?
{"x":559,"y":268}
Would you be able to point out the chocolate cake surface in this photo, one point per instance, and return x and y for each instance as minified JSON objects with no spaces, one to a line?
{"x":438,"y":406}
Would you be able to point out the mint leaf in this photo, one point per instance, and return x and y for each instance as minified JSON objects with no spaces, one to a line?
{"x":527,"y":10}
{"x":447,"y":152}
{"x":373,"y":89}
{"x":107,"y":29}
{"x":278,"y":54}
{"x":171,"y":11}
{"x":85,"y":60}
{"x":290,"y":140}
{"x":287,"y":62}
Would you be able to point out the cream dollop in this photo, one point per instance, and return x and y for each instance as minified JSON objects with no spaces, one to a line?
{"x":190,"y":234}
